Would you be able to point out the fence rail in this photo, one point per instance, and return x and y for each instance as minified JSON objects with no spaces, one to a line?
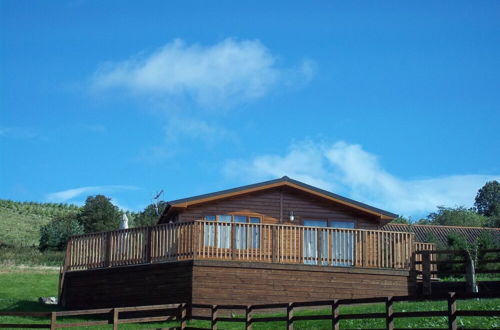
{"x":183,"y":312}
{"x":243,"y":242}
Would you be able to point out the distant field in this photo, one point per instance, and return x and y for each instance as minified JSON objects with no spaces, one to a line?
{"x":21,"y":288}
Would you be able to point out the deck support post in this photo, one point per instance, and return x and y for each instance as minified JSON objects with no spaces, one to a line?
{"x":335,"y":315}
{"x":289,"y":316}
{"x":389,"y":313}
{"x":452,"y":311}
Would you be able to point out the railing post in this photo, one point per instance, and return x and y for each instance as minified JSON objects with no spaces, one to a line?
{"x":183,"y":316}
{"x":107,"y":256}
{"x":452,"y":311}
{"x":214,"y":317}
{"x":274,"y":242}
{"x":289,"y":316}
{"x":335,"y":315}
{"x":389,"y":314}
{"x":53,"y":320}
{"x":365,"y":249}
{"x":233,"y":240}
{"x":147,"y":250}
{"x":426,"y":273}
{"x":248,"y":317}
{"x":320,"y":245}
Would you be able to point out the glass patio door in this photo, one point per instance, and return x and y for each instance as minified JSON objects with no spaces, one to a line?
{"x":312,"y":251}
{"x":342,"y":244}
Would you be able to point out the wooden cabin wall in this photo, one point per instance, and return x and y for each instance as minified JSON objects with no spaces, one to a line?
{"x":269,"y":204}
{"x":252,"y":283}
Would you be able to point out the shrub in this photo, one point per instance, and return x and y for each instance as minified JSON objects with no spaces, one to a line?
{"x":55,"y":234}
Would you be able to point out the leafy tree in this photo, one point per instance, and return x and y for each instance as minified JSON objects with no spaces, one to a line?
{"x":99,"y":214}
{"x":459,"y":216}
{"x":402,"y":220}
{"x":55,"y":234}
{"x":488,"y":199}
{"x":149,"y":216}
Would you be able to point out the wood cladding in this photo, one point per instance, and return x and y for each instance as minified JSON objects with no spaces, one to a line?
{"x":128,"y":286}
{"x":226,"y":282}
{"x":277,"y":203}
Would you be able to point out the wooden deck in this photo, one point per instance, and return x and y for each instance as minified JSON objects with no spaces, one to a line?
{"x":263,"y":243}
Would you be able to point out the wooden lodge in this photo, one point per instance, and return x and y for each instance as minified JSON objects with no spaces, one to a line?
{"x":276,"y":241}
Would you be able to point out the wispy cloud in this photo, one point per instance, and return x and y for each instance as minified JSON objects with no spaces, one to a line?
{"x":74,"y":193}
{"x":350,"y":170}
{"x":18,"y":132}
{"x":219,"y":75}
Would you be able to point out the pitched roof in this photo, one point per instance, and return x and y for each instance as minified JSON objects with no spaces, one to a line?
{"x":284,"y":181}
{"x":441,"y":233}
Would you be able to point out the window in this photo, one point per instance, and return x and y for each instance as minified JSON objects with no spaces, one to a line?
{"x":245,"y":236}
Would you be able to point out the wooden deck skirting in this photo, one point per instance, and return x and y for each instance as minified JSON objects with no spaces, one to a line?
{"x":264,"y":243}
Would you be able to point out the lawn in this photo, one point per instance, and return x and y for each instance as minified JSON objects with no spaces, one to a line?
{"x":21,"y":287}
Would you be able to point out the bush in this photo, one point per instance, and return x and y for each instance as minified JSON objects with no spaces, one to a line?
{"x":55,"y":234}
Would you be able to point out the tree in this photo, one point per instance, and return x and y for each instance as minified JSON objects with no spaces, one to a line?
{"x":149,"y":216}
{"x":99,"y":214}
{"x":402,"y":220}
{"x":55,"y":234}
{"x":459,"y":216}
{"x":488,"y":199}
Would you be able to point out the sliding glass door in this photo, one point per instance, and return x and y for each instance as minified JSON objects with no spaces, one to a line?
{"x":315,"y":242}
{"x":342,"y":244}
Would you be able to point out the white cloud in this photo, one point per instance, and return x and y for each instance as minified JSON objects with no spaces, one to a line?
{"x":181,"y":127}
{"x":71,"y":194}
{"x":18,"y":132}
{"x":222,"y":74}
{"x":350,"y":170}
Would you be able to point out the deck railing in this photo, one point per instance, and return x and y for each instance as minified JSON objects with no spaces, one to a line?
{"x":242,"y":242}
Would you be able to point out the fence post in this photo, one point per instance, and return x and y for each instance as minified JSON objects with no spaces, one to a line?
{"x":53,"y":320}
{"x":426,"y":273}
{"x":389,"y":314}
{"x":183,"y":316}
{"x":116,"y":317}
{"x":248,"y":317}
{"x":289,"y":316}
{"x":335,"y":315}
{"x":107,"y":256}
{"x":214,"y":317}
{"x":452,"y":311}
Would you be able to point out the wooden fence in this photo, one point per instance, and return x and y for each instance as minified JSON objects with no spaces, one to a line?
{"x":429,"y":265}
{"x":242,"y":242}
{"x":183,"y":312}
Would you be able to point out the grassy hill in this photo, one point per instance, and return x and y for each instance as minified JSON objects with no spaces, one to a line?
{"x":21,"y":221}
{"x":20,"y":234}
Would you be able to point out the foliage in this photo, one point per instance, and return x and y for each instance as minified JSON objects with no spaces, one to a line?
{"x":55,"y":234}
{"x":29,"y":256}
{"x":150,"y":215}
{"x":99,"y":214}
{"x":488,"y":199}
{"x":459,"y":216}
{"x":402,"y":220}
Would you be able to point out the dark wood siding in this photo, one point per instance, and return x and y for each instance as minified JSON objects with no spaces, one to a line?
{"x":129,"y":286}
{"x":277,"y":203}
{"x":244,"y":283}
{"x":226,"y":282}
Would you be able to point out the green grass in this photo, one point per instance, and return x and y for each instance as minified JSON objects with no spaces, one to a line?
{"x":21,"y":287}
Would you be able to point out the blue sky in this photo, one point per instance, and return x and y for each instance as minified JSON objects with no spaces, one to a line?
{"x":395,"y":104}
